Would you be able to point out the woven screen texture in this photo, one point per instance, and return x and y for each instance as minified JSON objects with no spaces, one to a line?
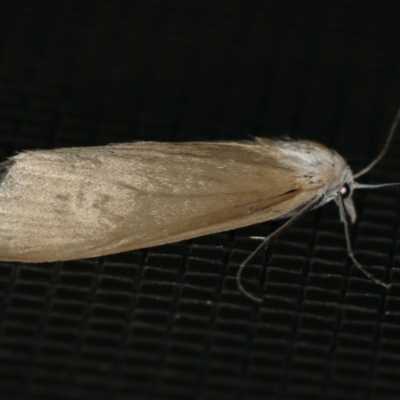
{"x":169,"y":322}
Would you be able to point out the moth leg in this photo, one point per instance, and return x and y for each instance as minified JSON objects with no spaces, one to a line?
{"x":264,"y":244}
{"x":343,"y":218}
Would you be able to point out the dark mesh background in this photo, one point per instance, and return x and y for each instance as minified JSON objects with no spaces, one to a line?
{"x":168,"y":322}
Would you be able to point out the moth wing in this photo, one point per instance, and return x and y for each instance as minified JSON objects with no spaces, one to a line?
{"x":84,"y":202}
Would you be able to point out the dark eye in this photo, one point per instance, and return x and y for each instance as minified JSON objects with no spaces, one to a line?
{"x":345,"y":191}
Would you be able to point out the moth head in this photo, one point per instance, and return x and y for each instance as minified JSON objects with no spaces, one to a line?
{"x":345,"y":192}
{"x":346,"y":195}
{"x":341,"y":187}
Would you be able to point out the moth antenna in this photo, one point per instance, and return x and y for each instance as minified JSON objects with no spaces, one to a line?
{"x":357,"y":185}
{"x":343,"y":218}
{"x":385,"y":147}
{"x":311,"y":204}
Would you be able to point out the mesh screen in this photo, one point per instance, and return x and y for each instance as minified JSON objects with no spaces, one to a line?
{"x":168,"y":322}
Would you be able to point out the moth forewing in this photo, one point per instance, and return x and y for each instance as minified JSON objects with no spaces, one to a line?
{"x":75,"y":203}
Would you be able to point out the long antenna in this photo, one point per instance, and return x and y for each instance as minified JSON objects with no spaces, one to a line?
{"x":357,"y":185}
{"x":384,"y":149}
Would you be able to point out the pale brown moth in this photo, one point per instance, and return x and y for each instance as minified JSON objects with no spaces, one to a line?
{"x":72,"y":203}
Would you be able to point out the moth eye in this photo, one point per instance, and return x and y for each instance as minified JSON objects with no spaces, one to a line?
{"x":345,"y":191}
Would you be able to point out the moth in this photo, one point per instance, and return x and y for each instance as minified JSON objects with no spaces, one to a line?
{"x":73,"y":203}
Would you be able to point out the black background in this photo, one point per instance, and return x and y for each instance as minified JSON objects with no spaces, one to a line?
{"x":168,"y":322}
